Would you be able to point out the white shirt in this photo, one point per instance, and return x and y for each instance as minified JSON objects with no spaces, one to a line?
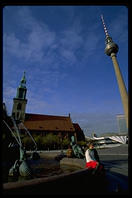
{"x":87,"y":156}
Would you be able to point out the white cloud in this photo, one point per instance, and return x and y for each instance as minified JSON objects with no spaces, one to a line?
{"x":11,"y":44}
{"x":119,"y":27}
{"x":35,"y":105}
{"x":68,"y":55}
{"x":70,"y":40}
{"x":41,"y":45}
{"x":9,"y":92}
{"x":32,"y":50}
{"x":91,"y":44}
{"x":37,"y":38}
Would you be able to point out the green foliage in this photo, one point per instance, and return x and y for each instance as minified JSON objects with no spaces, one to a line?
{"x":27,"y":142}
{"x":65,"y":143}
{"x":3,"y":136}
{"x":51,"y":141}
{"x":81,"y":143}
{"x":47,"y":142}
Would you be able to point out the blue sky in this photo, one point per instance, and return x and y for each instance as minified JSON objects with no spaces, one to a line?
{"x":61,"y":49}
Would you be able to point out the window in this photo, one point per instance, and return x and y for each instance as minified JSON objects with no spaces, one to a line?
{"x":17,"y":115}
{"x":19,"y":106}
{"x":13,"y":115}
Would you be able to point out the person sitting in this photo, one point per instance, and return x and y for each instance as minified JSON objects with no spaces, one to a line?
{"x":92,"y":159}
{"x":69,"y":152}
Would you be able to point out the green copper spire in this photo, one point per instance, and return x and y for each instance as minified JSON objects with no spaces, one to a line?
{"x":21,"y":90}
{"x":20,"y":101}
{"x":23,"y":81}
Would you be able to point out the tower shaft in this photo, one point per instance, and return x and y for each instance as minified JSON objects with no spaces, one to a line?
{"x":121,"y":84}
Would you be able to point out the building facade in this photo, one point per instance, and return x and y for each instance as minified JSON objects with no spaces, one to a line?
{"x":121,"y":122}
{"x":43,"y":124}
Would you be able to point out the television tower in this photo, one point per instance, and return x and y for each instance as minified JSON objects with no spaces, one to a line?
{"x":111,"y":49}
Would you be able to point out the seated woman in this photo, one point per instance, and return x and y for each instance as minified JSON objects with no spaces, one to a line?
{"x":92,"y":159}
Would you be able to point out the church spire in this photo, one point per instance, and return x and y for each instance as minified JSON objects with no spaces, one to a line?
{"x":23,"y":81}
{"x":21,"y":90}
{"x":20,"y":101}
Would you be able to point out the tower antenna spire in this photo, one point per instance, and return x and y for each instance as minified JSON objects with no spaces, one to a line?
{"x":105,"y":29}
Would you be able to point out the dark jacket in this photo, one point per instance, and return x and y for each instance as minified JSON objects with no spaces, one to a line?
{"x":94,"y":155}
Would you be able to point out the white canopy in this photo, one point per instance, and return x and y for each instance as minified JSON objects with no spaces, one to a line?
{"x":121,"y":139}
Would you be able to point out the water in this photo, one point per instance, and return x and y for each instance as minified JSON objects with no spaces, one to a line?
{"x":43,"y":168}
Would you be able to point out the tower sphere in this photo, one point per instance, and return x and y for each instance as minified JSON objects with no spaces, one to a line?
{"x":111,"y":48}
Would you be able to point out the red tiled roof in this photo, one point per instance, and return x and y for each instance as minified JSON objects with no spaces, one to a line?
{"x":35,"y":117}
{"x":48,"y":123}
{"x":77,"y":127}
